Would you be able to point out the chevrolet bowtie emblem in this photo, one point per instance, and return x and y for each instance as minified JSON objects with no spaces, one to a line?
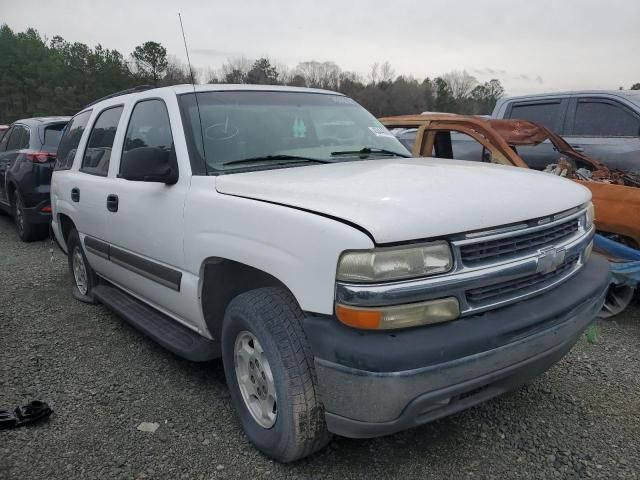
{"x":549,"y":259}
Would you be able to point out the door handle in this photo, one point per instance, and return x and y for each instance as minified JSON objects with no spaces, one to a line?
{"x":75,"y":194}
{"x":112,"y":203}
{"x":578,"y":148}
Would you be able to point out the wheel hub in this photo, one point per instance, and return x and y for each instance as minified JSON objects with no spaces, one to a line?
{"x":255,"y":379}
{"x":79,"y":271}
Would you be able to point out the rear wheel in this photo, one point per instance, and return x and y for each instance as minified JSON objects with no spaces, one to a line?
{"x":83,"y":277}
{"x":27,"y":231}
{"x":271,"y":376}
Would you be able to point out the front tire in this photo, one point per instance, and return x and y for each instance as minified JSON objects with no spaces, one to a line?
{"x":82,"y":275}
{"x":270,"y":373}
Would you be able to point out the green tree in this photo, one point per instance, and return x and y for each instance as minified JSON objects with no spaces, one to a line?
{"x":151,"y":62}
{"x":635,"y":86}
{"x":262,"y":73}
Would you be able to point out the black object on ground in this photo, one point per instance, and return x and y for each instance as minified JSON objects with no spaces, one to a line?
{"x":19,"y":416}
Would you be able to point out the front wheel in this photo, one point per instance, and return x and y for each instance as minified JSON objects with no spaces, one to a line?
{"x":83,"y":277}
{"x":271,"y":376}
{"x":617,"y":300}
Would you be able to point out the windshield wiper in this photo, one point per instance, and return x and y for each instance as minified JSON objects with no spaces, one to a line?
{"x":289,"y":158}
{"x":368,"y":151}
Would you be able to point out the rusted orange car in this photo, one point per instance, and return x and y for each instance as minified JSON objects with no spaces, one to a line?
{"x":616,"y":195}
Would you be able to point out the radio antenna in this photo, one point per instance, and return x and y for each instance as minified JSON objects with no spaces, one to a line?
{"x":195,"y":95}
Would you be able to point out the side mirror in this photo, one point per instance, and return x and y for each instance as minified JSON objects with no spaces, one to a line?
{"x":150,"y":164}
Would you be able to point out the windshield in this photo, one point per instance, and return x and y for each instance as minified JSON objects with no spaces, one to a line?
{"x":245,"y":129}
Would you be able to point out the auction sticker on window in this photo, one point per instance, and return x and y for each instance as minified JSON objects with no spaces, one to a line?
{"x":381,"y":132}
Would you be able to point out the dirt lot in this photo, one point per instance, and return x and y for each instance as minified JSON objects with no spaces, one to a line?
{"x":103,"y":378}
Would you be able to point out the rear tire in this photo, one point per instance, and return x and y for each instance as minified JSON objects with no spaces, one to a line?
{"x":266,"y":325}
{"x":83,"y":277}
{"x":27,"y":231}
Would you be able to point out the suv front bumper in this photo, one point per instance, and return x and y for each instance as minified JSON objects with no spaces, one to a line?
{"x":376,"y":383}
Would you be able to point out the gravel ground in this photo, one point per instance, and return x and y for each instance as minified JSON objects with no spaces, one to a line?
{"x":103,"y":378}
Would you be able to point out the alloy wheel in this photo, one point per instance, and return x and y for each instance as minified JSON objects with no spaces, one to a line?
{"x":255,"y":379}
{"x":80,"y":271}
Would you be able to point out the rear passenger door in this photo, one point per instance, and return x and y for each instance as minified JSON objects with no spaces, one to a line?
{"x":606,"y":130}
{"x":550,"y":112}
{"x":89,"y":187}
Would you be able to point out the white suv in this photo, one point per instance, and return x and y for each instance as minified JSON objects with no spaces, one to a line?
{"x":348,"y":288}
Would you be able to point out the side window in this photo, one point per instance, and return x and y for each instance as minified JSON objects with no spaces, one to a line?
{"x":465,"y":147}
{"x":70,"y":139}
{"x":5,"y":139}
{"x":19,"y":138}
{"x":604,"y":119}
{"x":149,"y":127}
{"x":545,"y":113}
{"x":98,"y":152}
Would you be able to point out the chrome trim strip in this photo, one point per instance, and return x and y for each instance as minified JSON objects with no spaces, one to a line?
{"x":457,"y":283}
{"x":516,"y":233}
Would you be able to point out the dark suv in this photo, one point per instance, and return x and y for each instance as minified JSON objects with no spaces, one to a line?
{"x":604,"y":125}
{"x":27,"y":156}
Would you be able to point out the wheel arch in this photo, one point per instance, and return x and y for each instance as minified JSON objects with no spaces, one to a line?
{"x":66,"y":225}
{"x":221,"y":281}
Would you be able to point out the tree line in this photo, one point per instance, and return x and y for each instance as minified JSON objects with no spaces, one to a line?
{"x":40,"y":76}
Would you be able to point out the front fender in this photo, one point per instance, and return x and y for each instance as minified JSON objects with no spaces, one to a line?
{"x":299,"y":248}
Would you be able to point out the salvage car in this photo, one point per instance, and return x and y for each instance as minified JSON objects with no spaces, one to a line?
{"x":616,"y":194}
{"x":348,"y":288}
{"x":604,"y":125}
{"x":27,"y":156}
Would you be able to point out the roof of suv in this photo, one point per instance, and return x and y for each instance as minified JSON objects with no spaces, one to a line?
{"x":43,"y":120}
{"x":630,"y":95}
{"x":213,"y":87}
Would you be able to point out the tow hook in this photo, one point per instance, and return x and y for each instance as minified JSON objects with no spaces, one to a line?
{"x":22,"y":415}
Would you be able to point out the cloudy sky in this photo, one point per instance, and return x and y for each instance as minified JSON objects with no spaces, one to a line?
{"x":531,"y":46}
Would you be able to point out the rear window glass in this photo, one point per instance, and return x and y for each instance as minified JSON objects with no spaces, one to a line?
{"x":70,"y":139}
{"x":52,"y":134}
{"x":98,"y":152}
{"x":545,"y":113}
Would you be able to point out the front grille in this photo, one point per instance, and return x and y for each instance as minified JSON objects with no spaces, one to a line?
{"x":520,"y":286}
{"x":500,"y":249}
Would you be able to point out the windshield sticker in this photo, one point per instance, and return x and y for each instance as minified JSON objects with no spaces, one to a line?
{"x":381,"y":132}
{"x":299,"y":129}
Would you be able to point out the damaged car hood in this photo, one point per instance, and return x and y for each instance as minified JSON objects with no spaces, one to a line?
{"x":398,"y":200}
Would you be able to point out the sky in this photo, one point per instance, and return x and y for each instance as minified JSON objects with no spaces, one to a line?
{"x":531,"y":46}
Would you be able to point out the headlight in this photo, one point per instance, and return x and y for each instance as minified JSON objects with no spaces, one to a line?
{"x":590,"y":216}
{"x":395,"y":263}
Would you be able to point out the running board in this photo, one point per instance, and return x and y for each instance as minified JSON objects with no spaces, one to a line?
{"x":160,"y":327}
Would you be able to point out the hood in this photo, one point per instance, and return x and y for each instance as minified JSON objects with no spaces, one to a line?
{"x":398,"y":200}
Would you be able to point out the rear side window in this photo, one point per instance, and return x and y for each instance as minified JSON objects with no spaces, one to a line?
{"x":19,"y":138}
{"x":98,"y":152}
{"x":52,"y":134}
{"x":604,"y":119}
{"x":545,"y":113}
{"x":70,"y":139}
